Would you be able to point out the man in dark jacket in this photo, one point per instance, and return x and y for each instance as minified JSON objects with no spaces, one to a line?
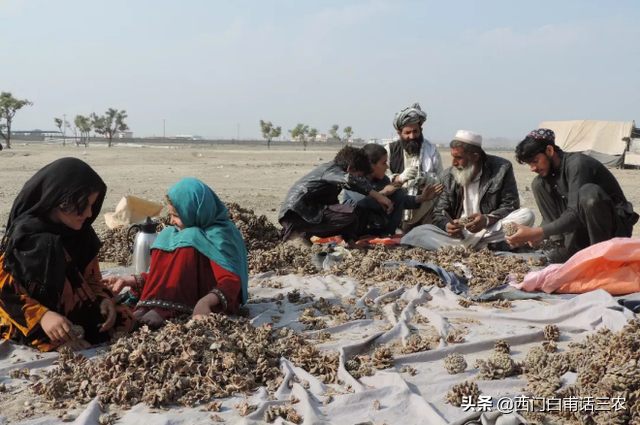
{"x":377,"y":221}
{"x":311,"y":207}
{"x":480,"y":194}
{"x":580,"y":200}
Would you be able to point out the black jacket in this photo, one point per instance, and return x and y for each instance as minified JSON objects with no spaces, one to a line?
{"x":309,"y":196}
{"x":564,"y":183}
{"x":498,"y":192}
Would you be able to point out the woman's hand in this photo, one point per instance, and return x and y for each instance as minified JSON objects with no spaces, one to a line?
{"x":77,"y":345}
{"x":152,"y":319}
{"x":204,"y":306}
{"x":57,"y":327}
{"x":108,"y":310}
{"x":118,"y":283}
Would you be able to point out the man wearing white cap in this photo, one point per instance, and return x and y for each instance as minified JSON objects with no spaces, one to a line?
{"x":414,"y":162}
{"x":480,"y":194}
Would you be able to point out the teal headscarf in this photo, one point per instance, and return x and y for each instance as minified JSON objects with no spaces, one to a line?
{"x":207,"y":229}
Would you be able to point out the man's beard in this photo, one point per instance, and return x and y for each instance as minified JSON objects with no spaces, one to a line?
{"x":412,"y":146}
{"x":464,"y":176}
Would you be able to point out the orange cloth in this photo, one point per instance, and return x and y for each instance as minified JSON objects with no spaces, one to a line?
{"x":613,"y":266}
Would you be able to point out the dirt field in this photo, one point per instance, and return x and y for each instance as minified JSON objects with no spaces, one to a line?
{"x":251,"y":176}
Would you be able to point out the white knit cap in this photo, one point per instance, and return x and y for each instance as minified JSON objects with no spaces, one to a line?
{"x":469,"y":137}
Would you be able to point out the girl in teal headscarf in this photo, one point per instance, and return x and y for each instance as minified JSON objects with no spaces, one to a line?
{"x":198,"y":265}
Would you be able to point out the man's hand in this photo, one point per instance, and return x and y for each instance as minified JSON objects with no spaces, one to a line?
{"x":409,"y":174}
{"x":390,"y":189}
{"x":478,"y":222}
{"x":118,"y":283}
{"x":383,"y":200}
{"x":108,"y":310}
{"x":531,"y":235}
{"x":454,"y":230}
{"x":439,"y":188}
{"x":57,"y":327}
{"x":428,"y":194}
{"x":204,"y":306}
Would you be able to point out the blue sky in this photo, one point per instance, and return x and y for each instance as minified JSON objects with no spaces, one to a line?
{"x":494,"y":67}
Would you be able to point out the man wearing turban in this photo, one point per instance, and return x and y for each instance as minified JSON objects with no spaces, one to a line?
{"x":414,"y":162}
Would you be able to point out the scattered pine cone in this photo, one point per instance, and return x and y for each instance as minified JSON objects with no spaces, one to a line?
{"x":509,"y":229}
{"x":551,"y":333}
{"x":455,"y":363}
{"x":502,"y":346}
{"x":550,"y":346}
{"x":458,"y":393}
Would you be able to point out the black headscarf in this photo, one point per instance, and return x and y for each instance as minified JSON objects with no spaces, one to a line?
{"x":35,"y":247}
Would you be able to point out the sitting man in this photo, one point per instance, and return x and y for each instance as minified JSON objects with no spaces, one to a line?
{"x":411,"y":160}
{"x":311,"y":208}
{"x":378,"y":222}
{"x":480,"y":194}
{"x":578,"y":197}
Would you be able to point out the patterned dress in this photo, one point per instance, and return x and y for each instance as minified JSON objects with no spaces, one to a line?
{"x":177,"y":280}
{"x":20,"y":313}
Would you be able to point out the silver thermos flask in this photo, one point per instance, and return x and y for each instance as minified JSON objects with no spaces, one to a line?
{"x":141,"y":249}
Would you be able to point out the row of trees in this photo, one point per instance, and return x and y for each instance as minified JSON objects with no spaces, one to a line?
{"x":106,"y":125}
{"x":9,"y":105}
{"x":301,"y":132}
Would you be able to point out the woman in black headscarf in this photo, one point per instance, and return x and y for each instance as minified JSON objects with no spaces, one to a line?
{"x":51,"y":295}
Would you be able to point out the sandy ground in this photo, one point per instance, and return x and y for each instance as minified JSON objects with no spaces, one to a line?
{"x":251,"y":176}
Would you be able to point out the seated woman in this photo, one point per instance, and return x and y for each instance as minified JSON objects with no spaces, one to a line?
{"x":50,"y":282}
{"x":311,"y":208}
{"x":377,"y":221}
{"x":198,"y":265}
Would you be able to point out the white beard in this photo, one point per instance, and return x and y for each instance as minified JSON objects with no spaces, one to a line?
{"x":464,"y":176}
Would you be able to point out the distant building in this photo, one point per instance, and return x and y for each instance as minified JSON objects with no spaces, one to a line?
{"x":321,"y":138}
{"x":356,"y":140}
{"x":385,"y":141}
{"x":123,"y":135}
{"x":186,"y":137}
{"x":37,"y":132}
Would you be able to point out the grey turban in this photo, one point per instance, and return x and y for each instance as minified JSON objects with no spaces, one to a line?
{"x":410,"y":115}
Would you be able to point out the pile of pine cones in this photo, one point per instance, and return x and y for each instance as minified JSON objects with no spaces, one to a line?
{"x":115,"y":247}
{"x":185,"y":363}
{"x":258,"y":233}
{"x":266,"y":253}
{"x":606,"y":365}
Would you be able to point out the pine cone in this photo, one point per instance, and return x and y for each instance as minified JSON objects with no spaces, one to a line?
{"x":455,"y":363}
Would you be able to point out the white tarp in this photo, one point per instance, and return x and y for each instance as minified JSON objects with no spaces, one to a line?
{"x":404,"y":399}
{"x":589,"y":135}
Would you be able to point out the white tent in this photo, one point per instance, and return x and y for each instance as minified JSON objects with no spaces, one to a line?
{"x":600,"y":139}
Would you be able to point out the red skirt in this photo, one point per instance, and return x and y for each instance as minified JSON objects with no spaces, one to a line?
{"x":178,"y":280}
